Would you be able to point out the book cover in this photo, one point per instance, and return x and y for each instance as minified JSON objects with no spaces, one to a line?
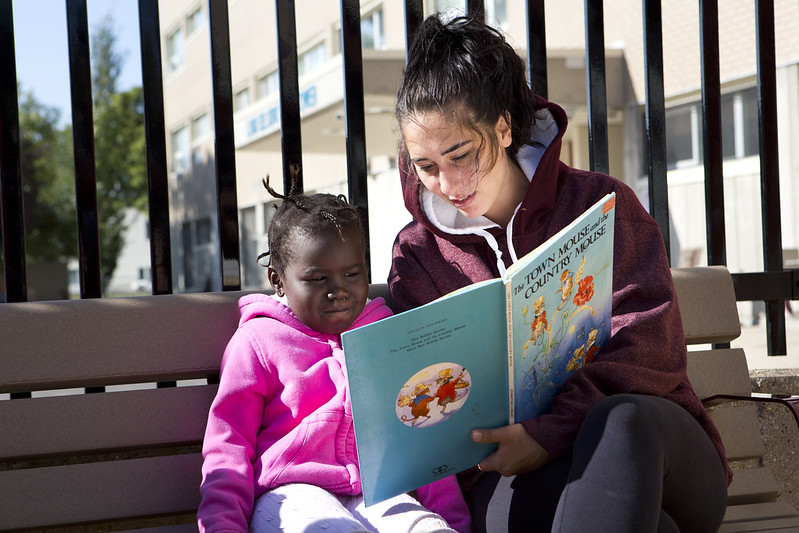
{"x":481,"y":357}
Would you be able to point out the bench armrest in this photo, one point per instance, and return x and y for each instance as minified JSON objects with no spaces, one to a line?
{"x":788,"y":400}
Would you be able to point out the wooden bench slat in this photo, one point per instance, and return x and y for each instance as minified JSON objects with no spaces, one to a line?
{"x":720,"y":371}
{"x":761,"y":512}
{"x":706,"y":297}
{"x":778,"y":525}
{"x":740,"y":431}
{"x":74,"y":494}
{"x":104,"y":421}
{"x":115,"y":340}
{"x":752,"y":485}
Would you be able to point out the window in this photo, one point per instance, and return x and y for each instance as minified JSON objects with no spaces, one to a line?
{"x":739,"y":124}
{"x":449,"y":8}
{"x":267,"y":85}
{"x":683,"y":136}
{"x":194,"y":21}
{"x":200,"y":131}
{"x":200,"y":127}
{"x":312,"y":59}
{"x":203,"y":235}
{"x":497,"y":13}
{"x":269,"y":213}
{"x":372,"y":35}
{"x":241,"y":99}
{"x":249,"y":248}
{"x":180,"y":150}
{"x":175,"y":50}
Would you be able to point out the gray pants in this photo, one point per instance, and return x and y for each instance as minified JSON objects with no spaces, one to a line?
{"x":640,"y":464}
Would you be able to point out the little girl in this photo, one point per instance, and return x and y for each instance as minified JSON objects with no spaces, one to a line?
{"x":279,"y":450}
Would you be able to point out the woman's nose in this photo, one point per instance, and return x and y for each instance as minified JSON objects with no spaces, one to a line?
{"x":449,"y":182}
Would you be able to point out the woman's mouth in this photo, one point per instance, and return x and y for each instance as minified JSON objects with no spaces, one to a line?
{"x":462,"y":203}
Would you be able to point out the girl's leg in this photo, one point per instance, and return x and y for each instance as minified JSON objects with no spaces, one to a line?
{"x":399,"y":514}
{"x":299,"y":507}
{"x":642,"y":463}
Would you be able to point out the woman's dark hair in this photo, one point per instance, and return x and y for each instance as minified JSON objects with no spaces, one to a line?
{"x":465,"y":65}
{"x":307,"y":214}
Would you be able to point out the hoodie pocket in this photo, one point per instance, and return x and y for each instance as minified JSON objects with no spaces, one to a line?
{"x":314,"y":452}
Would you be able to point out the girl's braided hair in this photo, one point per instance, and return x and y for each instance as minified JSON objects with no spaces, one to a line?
{"x":306,"y":214}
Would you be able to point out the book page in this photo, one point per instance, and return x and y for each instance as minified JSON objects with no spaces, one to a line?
{"x":420,"y":382}
{"x":559,"y":308}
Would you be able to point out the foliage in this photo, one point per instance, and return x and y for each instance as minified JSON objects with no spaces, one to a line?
{"x":120,"y":163}
{"x":46,"y":164}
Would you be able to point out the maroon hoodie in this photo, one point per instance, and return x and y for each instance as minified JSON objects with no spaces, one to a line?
{"x":441,"y":250}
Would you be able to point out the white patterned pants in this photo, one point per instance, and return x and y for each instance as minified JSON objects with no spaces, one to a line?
{"x":299,"y":507}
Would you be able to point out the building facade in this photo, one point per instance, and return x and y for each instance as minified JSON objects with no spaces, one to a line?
{"x":189,"y":117}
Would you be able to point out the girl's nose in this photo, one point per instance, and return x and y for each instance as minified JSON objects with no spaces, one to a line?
{"x":337,"y":293}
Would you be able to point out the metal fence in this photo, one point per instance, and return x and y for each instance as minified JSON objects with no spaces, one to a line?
{"x":772,"y":285}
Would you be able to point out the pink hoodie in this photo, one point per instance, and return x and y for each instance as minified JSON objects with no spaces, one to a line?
{"x":282,"y":414}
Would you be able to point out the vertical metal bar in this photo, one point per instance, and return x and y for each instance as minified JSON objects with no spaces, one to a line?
{"x":656,"y":117}
{"x":288,"y":73}
{"x":769,"y":167}
{"x":476,"y":9}
{"x":354,"y":111}
{"x":595,"y":84}
{"x":224,"y":146}
{"x":12,"y":224}
{"x":414,"y":15}
{"x":83,"y":140}
{"x":711,"y":133}
{"x":537,"y":48}
{"x":155,"y":134}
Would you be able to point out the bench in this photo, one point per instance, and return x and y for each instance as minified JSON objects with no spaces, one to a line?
{"x":114,"y":459}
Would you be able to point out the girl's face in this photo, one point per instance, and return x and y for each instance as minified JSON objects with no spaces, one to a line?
{"x":444,"y":154}
{"x":325,"y":280}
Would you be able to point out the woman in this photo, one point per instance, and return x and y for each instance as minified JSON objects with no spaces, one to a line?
{"x":626,"y":444}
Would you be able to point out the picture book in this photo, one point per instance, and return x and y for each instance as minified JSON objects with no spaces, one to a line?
{"x":484,"y":356}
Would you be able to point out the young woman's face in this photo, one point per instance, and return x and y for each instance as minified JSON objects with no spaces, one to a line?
{"x":325,"y":280}
{"x":444,"y":154}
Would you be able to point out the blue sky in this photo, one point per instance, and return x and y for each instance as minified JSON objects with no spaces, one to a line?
{"x":40,"y":40}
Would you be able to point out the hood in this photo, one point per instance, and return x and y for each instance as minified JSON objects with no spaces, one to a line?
{"x":539,"y":158}
{"x":259,"y":305}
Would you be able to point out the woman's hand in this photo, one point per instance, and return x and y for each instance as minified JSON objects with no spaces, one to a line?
{"x":518,"y":452}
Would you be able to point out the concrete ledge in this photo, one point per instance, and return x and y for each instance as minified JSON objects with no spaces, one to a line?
{"x":779,"y":429}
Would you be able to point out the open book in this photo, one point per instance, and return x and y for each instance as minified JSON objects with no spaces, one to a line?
{"x":487,"y":355}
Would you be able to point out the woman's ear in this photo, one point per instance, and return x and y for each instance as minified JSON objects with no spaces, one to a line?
{"x":503,"y":131}
{"x":275,"y":281}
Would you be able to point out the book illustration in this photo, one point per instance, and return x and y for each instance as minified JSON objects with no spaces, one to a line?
{"x":433,"y":395}
{"x":567,"y":341}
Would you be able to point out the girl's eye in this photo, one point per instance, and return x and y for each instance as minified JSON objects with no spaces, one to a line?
{"x":424,"y":168}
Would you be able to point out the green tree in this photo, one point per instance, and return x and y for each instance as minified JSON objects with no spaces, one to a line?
{"x":120,"y":161}
{"x":46,"y":164}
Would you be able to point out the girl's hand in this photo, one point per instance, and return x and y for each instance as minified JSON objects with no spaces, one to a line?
{"x":518,"y":452}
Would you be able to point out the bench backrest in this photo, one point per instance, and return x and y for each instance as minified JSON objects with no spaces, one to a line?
{"x":130,"y":453}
